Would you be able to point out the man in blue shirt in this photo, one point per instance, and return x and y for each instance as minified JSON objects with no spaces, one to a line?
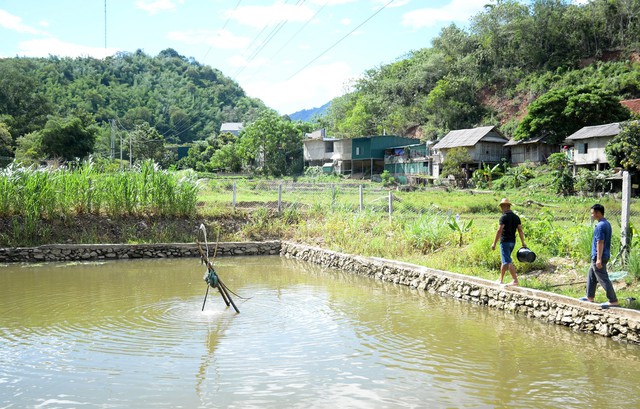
{"x":600,"y":255}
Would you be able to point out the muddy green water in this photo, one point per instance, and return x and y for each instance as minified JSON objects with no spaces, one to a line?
{"x":131,"y":334}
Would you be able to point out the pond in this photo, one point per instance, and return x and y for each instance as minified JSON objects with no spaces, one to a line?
{"x":131,"y":334}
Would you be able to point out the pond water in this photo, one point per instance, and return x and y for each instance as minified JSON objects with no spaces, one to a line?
{"x":131,"y":334}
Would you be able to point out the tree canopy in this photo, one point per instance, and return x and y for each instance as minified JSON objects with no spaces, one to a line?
{"x":182,"y":99}
{"x":563,"y":111}
{"x":624,"y":149}
{"x":273,"y":144}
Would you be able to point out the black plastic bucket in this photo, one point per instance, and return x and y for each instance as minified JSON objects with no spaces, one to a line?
{"x":525,"y":255}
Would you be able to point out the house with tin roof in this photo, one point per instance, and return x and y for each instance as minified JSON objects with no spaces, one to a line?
{"x":368,"y":153}
{"x":485,"y":145}
{"x":588,"y":144}
{"x":632,"y":104}
{"x":533,"y":150}
{"x":233,"y":128}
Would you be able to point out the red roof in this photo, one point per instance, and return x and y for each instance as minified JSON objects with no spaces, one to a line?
{"x":632,"y":104}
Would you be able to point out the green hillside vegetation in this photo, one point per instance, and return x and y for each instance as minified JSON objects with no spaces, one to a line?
{"x":177,"y":98}
{"x":512,"y":54}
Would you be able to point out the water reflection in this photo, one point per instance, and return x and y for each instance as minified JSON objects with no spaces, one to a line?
{"x":131,"y":334}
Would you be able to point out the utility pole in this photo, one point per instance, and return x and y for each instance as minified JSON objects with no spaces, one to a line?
{"x":113,"y":139}
{"x":120,"y":150}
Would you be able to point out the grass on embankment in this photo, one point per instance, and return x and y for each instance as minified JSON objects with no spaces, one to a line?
{"x":148,"y":205}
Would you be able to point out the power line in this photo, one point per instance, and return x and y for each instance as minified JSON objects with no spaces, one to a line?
{"x":268,"y":39}
{"x":340,"y":40}
{"x":294,"y":35}
{"x":177,"y":129}
{"x":223,"y":27}
{"x":299,"y":31}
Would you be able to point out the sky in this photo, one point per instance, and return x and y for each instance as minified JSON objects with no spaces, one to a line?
{"x":291,"y":54}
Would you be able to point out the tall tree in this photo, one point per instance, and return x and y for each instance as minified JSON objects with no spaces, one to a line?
{"x":6,"y":143}
{"x":68,"y":138}
{"x":624,"y":149}
{"x":273,"y":145}
{"x":22,"y":108}
{"x":145,"y":142}
{"x":563,"y":111}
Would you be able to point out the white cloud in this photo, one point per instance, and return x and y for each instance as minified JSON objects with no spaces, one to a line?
{"x":52,"y":46}
{"x":154,"y":6}
{"x":455,"y":11}
{"x":261,"y":16}
{"x":221,"y":39}
{"x":11,"y":22}
{"x":345,"y":21}
{"x":310,"y":88}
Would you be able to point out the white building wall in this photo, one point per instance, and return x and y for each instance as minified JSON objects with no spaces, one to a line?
{"x":313,"y":150}
{"x":595,"y":151}
{"x":342,"y":150}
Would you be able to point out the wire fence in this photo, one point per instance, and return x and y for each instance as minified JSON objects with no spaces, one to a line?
{"x":280,"y":196}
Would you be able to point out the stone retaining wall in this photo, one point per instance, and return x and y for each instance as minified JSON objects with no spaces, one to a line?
{"x":87,"y":252}
{"x":618,"y":323}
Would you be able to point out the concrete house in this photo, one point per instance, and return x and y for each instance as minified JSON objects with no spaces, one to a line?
{"x":485,"y":145}
{"x":317,"y":149}
{"x":588,"y":145}
{"x":533,"y":150}
{"x":341,"y":157}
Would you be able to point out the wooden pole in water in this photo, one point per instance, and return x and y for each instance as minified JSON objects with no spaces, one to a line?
{"x":224,"y":289}
{"x":205,"y":297}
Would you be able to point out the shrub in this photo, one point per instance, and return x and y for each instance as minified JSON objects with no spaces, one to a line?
{"x":428,"y":232}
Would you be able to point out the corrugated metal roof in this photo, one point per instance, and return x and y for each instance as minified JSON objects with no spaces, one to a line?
{"x":465,"y":137}
{"x":513,"y":142}
{"x":230,"y":126}
{"x":596,"y":131}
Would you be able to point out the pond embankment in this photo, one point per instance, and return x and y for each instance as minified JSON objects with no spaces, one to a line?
{"x":618,"y":323}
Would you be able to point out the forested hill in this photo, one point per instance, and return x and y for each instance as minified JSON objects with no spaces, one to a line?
{"x":179,"y":97}
{"x":511,"y":54}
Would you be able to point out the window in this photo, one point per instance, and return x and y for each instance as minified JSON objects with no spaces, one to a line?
{"x":328,"y":147}
{"x":357,"y":150}
{"x":583,"y":147}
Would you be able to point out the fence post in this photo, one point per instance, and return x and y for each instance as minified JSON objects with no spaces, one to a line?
{"x":390,"y":204}
{"x":361,"y":199}
{"x":333,"y":195}
{"x":625,"y":239}
{"x":233,"y":199}
{"x":279,"y":198}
